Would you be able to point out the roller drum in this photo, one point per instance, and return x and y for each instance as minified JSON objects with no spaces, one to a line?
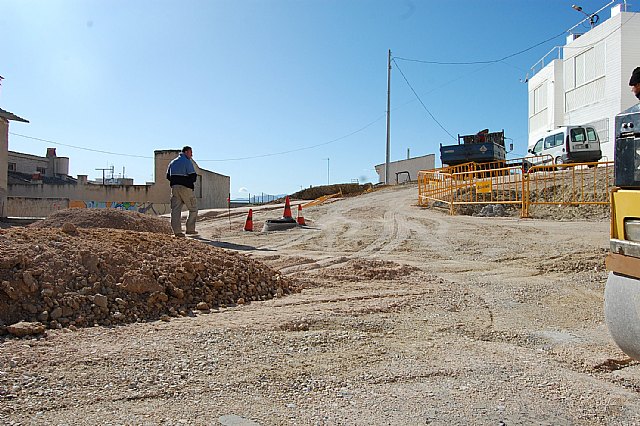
{"x":621,"y":311}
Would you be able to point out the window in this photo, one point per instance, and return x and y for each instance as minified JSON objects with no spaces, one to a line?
{"x":12,"y":167}
{"x":553,"y":140}
{"x":577,"y":135}
{"x":540,"y":98}
{"x":585,"y":67}
{"x":41,"y":170}
{"x":592,"y":136}
{"x":537,"y":148}
{"x":559,"y":139}
{"x":549,"y":141}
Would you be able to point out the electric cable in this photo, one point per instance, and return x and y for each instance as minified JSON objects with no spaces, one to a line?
{"x":492,"y":61}
{"x":79,"y":147}
{"x":207,"y":160}
{"x":422,"y":103}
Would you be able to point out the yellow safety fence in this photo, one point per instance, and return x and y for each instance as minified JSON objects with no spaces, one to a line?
{"x":493,"y":186}
{"x":321,"y":200}
{"x":569,"y":184}
{"x":516,"y":183}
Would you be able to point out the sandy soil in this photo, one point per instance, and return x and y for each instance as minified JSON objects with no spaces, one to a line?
{"x":407,"y":316}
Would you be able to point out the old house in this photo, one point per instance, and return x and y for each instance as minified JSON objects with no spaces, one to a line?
{"x":5,"y":117}
{"x":37,"y":186}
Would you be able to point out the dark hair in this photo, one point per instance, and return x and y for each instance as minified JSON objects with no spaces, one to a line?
{"x":635,"y":77}
{"x":186,"y":148}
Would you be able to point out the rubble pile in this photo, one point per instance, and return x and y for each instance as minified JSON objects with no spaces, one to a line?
{"x":357,"y":270}
{"x":71,"y":277}
{"x":106,"y":218}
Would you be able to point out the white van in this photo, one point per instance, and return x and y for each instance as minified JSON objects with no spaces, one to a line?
{"x":570,"y":144}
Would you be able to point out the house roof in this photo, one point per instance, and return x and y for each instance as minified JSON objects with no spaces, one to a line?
{"x":11,"y":116}
{"x":18,"y":178}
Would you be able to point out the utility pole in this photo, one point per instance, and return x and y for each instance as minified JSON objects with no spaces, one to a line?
{"x":104,"y":170}
{"x":327,"y":170}
{"x":386,"y":164}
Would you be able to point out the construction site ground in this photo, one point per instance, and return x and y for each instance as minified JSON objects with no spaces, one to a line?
{"x":407,"y":316}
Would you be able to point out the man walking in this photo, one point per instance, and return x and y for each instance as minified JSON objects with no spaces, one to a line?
{"x":182,"y":177}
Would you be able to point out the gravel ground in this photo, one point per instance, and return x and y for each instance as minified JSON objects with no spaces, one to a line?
{"x":405,"y":316}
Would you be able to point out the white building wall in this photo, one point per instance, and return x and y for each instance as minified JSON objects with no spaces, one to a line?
{"x":630,"y":56}
{"x":592,"y":92}
{"x":596,"y":69}
{"x":411,"y":165}
{"x":545,"y":100}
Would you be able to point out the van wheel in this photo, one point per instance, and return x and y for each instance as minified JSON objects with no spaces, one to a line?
{"x":559,"y":161}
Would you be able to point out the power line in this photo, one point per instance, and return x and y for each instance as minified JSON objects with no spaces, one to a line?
{"x":303,"y":148}
{"x":422,"y":103}
{"x":79,"y":147}
{"x":492,"y":61}
{"x":211,"y":160}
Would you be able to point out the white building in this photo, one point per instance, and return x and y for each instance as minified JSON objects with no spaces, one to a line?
{"x":589,"y":83}
{"x":406,"y":170}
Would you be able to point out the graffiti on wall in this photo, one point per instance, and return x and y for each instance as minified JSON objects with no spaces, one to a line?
{"x":148,"y":208}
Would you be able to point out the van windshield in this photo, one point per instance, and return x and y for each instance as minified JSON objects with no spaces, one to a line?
{"x":578,"y":135}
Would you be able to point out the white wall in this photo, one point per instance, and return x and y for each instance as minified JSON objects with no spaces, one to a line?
{"x":411,"y":165}
{"x":545,"y":100}
{"x":595,"y":74}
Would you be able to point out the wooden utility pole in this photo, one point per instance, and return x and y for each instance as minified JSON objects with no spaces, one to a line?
{"x":386,"y":164}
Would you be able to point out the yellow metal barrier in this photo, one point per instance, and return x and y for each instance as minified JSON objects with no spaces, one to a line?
{"x":321,"y":200}
{"x":519,"y":184}
{"x":490,"y":186}
{"x":569,"y":184}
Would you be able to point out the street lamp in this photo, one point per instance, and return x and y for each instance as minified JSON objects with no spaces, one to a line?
{"x":593,"y":18}
{"x":327,"y":169}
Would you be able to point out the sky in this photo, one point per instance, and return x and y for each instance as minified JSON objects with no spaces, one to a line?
{"x":279,"y":95}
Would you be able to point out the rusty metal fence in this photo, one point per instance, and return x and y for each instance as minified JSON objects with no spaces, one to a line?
{"x":516,"y":183}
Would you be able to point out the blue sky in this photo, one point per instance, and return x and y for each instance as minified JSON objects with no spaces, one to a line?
{"x":289,"y":83}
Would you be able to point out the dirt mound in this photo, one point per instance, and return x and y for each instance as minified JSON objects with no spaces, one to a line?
{"x":364,"y":270}
{"x":106,"y":218}
{"x":81,"y":277}
{"x":319,"y":191}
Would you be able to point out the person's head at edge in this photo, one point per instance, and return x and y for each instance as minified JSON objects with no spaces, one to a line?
{"x":187,"y":152}
{"x":634,"y":82}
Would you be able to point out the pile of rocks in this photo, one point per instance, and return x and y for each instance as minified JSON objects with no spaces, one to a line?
{"x":70,"y":277}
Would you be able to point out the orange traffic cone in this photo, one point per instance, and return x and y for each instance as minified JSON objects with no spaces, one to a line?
{"x":287,"y":209}
{"x":300,"y":217}
{"x":248,"y":225}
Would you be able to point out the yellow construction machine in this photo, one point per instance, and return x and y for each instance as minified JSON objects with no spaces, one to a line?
{"x":622,"y":292}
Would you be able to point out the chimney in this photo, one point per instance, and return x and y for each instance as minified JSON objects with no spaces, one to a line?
{"x":51,"y":152}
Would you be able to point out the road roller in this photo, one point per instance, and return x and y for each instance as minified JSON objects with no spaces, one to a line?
{"x":622,"y":291}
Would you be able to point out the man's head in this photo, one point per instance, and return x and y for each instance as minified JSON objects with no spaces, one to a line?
{"x":634,"y":82}
{"x":187,"y":152}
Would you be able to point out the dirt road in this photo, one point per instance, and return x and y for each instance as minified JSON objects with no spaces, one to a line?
{"x":408,"y":316}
